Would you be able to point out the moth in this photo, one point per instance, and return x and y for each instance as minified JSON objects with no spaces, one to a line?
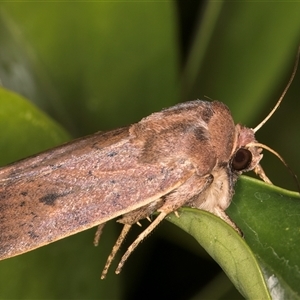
{"x":190,"y":154}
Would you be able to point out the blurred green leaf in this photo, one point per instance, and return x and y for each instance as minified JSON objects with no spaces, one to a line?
{"x":111,"y":63}
{"x":25,"y":129}
{"x":253,"y":55}
{"x":21,"y":70}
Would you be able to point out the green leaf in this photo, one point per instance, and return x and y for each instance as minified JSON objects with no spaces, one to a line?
{"x":25,"y":129}
{"x":269,"y":219}
{"x":227,"y":248}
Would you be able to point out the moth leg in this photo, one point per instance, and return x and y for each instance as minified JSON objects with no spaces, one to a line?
{"x":131,"y":248}
{"x":115,"y":249}
{"x":128,"y":220}
{"x":98,"y":234}
{"x":261,"y":173}
{"x":141,"y":213}
{"x":219,"y":212}
{"x":172,"y":202}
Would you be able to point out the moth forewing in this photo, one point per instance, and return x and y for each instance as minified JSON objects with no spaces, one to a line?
{"x":75,"y":187}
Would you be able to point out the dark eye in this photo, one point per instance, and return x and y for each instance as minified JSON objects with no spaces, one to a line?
{"x":241,"y":159}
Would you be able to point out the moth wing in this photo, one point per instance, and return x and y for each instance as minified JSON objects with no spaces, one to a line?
{"x":77,"y":186}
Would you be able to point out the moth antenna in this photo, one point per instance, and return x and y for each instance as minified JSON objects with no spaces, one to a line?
{"x":207,"y":97}
{"x":280,"y":158}
{"x":282,"y":95}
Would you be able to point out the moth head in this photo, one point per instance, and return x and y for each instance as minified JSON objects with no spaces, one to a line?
{"x":247,"y":151}
{"x":247,"y":154}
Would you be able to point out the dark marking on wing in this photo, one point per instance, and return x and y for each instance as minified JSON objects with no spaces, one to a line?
{"x":206,"y":114}
{"x":201,"y":134}
{"x":50,"y":198}
{"x":112,"y":153}
{"x":55,"y":167}
{"x":32,"y":234}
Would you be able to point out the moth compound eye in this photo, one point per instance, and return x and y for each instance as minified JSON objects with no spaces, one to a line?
{"x":241,"y":159}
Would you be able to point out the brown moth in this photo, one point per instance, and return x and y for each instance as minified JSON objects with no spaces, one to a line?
{"x":187,"y":155}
